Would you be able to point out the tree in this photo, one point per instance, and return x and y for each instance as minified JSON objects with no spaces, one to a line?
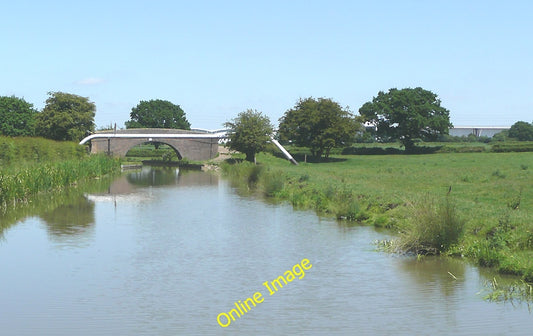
{"x":406,"y":115}
{"x":66,"y":117}
{"x":319,"y":124}
{"x":249,"y":134}
{"x":17,"y":117}
{"x":157,"y":114}
{"x":521,"y":131}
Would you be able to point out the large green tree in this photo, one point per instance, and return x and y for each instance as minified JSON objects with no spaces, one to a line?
{"x":406,"y":115}
{"x":522,"y":131}
{"x":319,"y":124}
{"x":157,"y":114}
{"x":17,"y":117}
{"x":66,"y":116}
{"x":249,"y":133}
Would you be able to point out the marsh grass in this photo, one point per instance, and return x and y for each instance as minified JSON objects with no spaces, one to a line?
{"x":517,"y":292}
{"x":433,"y":227}
{"x":18,"y":184}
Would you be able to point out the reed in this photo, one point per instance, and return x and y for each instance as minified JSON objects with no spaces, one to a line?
{"x":433,"y":227}
{"x":517,"y":292}
{"x":17,"y":184}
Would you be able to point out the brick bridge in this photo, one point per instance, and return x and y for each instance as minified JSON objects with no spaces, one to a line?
{"x":193,"y":145}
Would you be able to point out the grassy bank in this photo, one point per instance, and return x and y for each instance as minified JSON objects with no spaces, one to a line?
{"x":33,"y":165}
{"x":22,"y":151}
{"x":475,"y":205}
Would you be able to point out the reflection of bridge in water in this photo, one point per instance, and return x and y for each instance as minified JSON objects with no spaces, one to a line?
{"x":133,"y":185}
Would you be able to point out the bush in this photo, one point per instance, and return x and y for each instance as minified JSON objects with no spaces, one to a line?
{"x":7,"y":150}
{"x":464,"y":138}
{"x":526,"y":146}
{"x":371,"y":151}
{"x":462,"y":149}
{"x":27,"y":150}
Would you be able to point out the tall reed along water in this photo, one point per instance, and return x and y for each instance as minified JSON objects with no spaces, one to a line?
{"x":171,"y":252}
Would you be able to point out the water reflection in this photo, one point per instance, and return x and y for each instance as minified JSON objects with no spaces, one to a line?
{"x":435,"y":273}
{"x":132,"y":185}
{"x":65,"y":212}
{"x":170,"y":265}
{"x":165,"y":176}
{"x":74,"y":218}
{"x":153,"y":176}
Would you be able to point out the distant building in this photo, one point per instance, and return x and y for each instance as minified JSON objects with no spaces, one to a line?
{"x":488,"y":131}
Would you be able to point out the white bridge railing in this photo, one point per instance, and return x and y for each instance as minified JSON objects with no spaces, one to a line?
{"x":219,"y":135}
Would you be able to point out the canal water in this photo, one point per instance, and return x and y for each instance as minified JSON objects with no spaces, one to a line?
{"x":164,"y":252}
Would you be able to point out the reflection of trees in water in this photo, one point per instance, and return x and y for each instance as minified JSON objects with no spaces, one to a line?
{"x":73,"y":218}
{"x":68,"y":212}
{"x":152,"y":176}
{"x":46,"y":203}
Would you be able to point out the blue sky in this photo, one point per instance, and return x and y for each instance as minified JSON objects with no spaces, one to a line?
{"x":218,"y":58}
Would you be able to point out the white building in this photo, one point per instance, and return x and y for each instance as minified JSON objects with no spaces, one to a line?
{"x":488,"y":131}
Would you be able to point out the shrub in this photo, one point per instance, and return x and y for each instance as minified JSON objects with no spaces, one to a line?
{"x":513,"y":147}
{"x":7,"y":150}
{"x":371,"y":151}
{"x":27,"y":150}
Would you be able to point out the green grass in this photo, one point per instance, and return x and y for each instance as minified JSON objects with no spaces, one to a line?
{"x":21,"y":151}
{"x":491,"y":194}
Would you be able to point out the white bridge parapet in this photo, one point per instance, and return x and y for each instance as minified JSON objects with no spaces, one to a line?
{"x":220,"y":135}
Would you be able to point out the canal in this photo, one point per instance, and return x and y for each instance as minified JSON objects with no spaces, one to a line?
{"x":168,"y":252}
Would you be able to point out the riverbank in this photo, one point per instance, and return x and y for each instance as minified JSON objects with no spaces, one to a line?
{"x":34,"y":165}
{"x":480,"y":202}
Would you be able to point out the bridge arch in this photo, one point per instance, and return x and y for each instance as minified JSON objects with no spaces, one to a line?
{"x":144,"y":141}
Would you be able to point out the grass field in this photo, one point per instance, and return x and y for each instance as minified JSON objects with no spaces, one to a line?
{"x":485,"y":198}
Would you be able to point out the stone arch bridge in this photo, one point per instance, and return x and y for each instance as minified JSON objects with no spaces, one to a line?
{"x":193,"y":145}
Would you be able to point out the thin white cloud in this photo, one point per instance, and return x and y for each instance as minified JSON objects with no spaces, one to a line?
{"x":90,"y":81}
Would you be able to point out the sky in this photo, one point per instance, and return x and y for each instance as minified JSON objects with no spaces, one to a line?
{"x":218,"y":58}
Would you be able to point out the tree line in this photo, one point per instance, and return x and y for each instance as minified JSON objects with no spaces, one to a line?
{"x":70,"y":117}
{"x":406,"y":115}
{"x":321,"y":124}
